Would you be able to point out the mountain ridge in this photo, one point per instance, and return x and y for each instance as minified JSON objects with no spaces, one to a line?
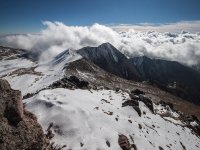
{"x":165,"y":73}
{"x":110,"y":59}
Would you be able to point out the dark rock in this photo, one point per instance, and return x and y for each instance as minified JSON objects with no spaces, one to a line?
{"x":167,"y":104}
{"x":28,"y":95}
{"x":124,"y":142}
{"x":140,"y":126}
{"x":108,"y":143}
{"x":130,"y":103}
{"x":50,"y":134}
{"x":133,"y":96}
{"x":137,"y":109}
{"x":117,"y":89}
{"x":195,"y":119}
{"x":147,"y":102}
{"x":137,"y":92}
{"x":134,"y":104}
{"x":134,"y":146}
{"x":160,"y":148}
{"x":81,"y":144}
{"x":78,"y":82}
{"x":70,"y":82}
{"x":183,"y":146}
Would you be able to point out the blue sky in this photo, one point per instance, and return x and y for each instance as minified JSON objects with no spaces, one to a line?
{"x":19,"y":16}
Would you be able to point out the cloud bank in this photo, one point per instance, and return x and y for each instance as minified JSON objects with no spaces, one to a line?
{"x":190,"y":26}
{"x":56,"y":37}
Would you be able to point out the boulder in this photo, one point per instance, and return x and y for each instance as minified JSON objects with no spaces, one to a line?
{"x":124,"y":142}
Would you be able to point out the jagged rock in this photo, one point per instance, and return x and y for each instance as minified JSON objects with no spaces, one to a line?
{"x":117,"y":89}
{"x":130,"y":103}
{"x":134,"y":104}
{"x":18,"y":128}
{"x":11,"y":106}
{"x":124,"y":142}
{"x":188,"y":120}
{"x":137,"y":109}
{"x":137,"y":92}
{"x":167,"y":104}
{"x":28,"y":95}
{"x":50,"y":134}
{"x":70,"y":83}
{"x":133,"y":96}
{"x":195,"y":119}
{"x":147,"y":102}
{"x":78,"y":82}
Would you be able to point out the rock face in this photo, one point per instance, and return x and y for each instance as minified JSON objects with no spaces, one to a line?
{"x":110,"y":59}
{"x":18,"y":128}
{"x":124,"y":142}
{"x":70,"y":82}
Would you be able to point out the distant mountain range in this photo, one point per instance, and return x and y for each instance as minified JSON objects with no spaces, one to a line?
{"x":170,"y":75}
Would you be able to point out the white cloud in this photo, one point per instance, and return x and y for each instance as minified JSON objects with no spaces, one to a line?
{"x":56,"y":37}
{"x":190,"y":26}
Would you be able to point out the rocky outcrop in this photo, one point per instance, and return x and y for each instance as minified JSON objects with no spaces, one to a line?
{"x":134,"y":104}
{"x":70,"y":82}
{"x":136,"y":96}
{"x":124,"y":142}
{"x":18,"y":128}
{"x":147,"y":102}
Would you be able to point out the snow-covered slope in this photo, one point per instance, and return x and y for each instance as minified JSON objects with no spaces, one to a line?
{"x":84,"y":119}
{"x":30,"y":77}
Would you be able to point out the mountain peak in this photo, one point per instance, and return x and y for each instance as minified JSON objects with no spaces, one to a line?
{"x":107,"y":44}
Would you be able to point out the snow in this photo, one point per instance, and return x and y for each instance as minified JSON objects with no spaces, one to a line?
{"x":8,"y":66}
{"x":51,"y":71}
{"x":82,"y":116}
{"x":114,"y":55}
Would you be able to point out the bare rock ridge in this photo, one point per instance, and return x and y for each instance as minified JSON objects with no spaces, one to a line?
{"x":110,"y":59}
{"x":18,"y":128}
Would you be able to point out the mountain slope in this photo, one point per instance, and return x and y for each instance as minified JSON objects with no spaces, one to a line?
{"x":169,"y":74}
{"x":109,"y":112}
{"x":110,"y":59}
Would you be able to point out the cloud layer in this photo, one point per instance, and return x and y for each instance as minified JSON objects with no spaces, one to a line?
{"x":191,"y":26}
{"x":56,"y":37}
